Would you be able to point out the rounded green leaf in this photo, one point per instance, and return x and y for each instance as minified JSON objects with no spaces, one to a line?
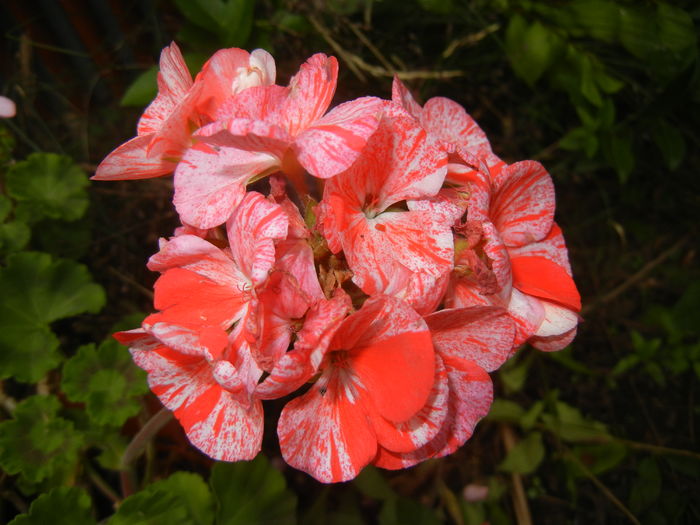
{"x":38,"y":290}
{"x":106,"y":379}
{"x":37,"y":443}
{"x":531,"y":48}
{"x":250,"y":493}
{"x":525,"y":456}
{"x":47,"y":185}
{"x":61,"y":506}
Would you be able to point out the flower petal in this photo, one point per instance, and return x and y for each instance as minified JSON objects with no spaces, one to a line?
{"x":481,"y":334}
{"x":213,"y":420}
{"x":333,"y":142}
{"x":174,"y":81}
{"x":131,"y":161}
{"x":327,"y":436}
{"x":522,"y":208}
{"x":211,"y":178}
{"x":310,"y":93}
{"x":252,"y":231}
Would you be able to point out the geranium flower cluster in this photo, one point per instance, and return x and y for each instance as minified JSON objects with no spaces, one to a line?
{"x":376,"y":260}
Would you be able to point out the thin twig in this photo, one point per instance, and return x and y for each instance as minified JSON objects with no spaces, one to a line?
{"x":103,"y":486}
{"x":634,"y":279}
{"x":605,"y":490}
{"x":470,"y":39}
{"x":141,"y":288}
{"x":377,"y":71}
{"x":373,"y":49}
{"x":522,"y":510}
{"x":337,"y":47}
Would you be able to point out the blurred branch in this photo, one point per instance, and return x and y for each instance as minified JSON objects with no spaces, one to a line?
{"x":522,"y":510}
{"x":635,"y":278}
{"x":357,"y":65}
{"x":601,"y":486}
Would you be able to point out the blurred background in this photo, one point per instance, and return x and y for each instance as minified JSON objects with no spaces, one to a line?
{"x":604,"y":93}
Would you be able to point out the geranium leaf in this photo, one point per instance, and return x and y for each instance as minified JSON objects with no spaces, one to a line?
{"x":38,"y":290}
{"x":13,"y":236}
{"x":183,"y":498}
{"x":193,"y":491}
{"x":152,"y":507}
{"x":47,"y":185}
{"x":61,"y":506}
{"x":525,"y":456}
{"x":38,"y":443}
{"x":251,"y":493}
{"x":106,"y":379}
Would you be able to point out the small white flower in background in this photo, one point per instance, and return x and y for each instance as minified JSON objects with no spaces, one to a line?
{"x":7,"y":108}
{"x":474,"y":493}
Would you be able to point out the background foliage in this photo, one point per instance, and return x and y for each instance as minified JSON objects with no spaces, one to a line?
{"x":605,"y":93}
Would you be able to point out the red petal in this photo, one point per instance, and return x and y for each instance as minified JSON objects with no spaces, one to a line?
{"x":326,"y":435}
{"x":522,"y":208}
{"x":333,"y":142}
{"x":545,"y":279}
{"x":131,"y":161}
{"x":480,"y":334}
{"x":252,"y":231}
{"x":174,"y":81}
{"x":310,"y":93}
{"x":213,"y":420}
{"x":422,"y":427}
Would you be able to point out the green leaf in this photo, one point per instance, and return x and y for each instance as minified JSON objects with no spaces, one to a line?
{"x":13,"y":236}
{"x":47,"y":185}
{"x":37,"y":443}
{"x":371,"y":483}
{"x":637,"y":32}
{"x":600,"y":18}
{"x":145,"y":87}
{"x":250,"y":493}
{"x":525,"y":456}
{"x":38,"y":290}
{"x":230,"y":20}
{"x":670,"y":142}
{"x":528,"y":420}
{"x":5,"y":207}
{"x":676,"y":28}
{"x":514,"y":373}
{"x":531,"y":49}
{"x":580,"y":139}
{"x":61,"y":506}
{"x":568,"y":424}
{"x":106,"y":379}
{"x":193,"y":492}
{"x":441,"y":7}
{"x":599,"y":458}
{"x":152,"y":507}
{"x":142,"y":90}
{"x":505,"y":410}
{"x":406,"y":512}
{"x":647,"y":486}
{"x":617,"y":147}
